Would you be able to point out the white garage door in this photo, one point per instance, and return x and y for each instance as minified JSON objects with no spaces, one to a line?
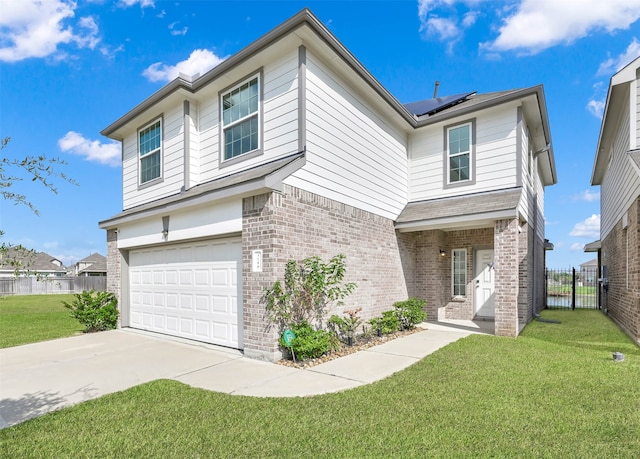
{"x":189,"y":290}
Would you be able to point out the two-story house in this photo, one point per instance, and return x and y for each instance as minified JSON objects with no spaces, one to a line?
{"x":616,"y":169}
{"x":291,"y":149}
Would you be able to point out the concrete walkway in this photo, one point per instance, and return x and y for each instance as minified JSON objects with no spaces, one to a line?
{"x":42,"y":377}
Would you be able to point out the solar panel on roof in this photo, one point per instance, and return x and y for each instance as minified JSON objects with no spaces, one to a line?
{"x":432,"y":106}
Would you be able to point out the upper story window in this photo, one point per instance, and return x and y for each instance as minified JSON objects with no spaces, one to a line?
{"x":150,"y":148}
{"x":241,"y":119}
{"x":459,"y":153}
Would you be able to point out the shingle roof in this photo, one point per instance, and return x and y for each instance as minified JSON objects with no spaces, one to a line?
{"x":461,"y":205}
{"x":93,"y":258}
{"x":38,"y":261}
{"x":244,"y":177}
{"x":97,"y":267}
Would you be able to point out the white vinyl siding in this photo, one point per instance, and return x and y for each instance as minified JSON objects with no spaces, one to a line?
{"x":280,"y":133}
{"x":495,"y":155}
{"x":353,"y":155}
{"x":172,"y":163}
{"x":620,"y":184}
{"x":279,"y":120}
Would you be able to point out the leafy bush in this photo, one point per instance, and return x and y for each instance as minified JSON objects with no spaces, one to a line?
{"x":346,"y":326}
{"x":388,"y":322}
{"x":310,"y":343}
{"x":410,"y":312}
{"x":309,"y":289}
{"x":97,"y":311}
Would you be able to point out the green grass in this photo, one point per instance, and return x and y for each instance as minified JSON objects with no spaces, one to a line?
{"x":33,"y":318}
{"x":553,"y":392}
{"x":566,"y":289}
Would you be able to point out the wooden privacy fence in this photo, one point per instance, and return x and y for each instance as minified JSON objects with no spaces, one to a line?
{"x":572,"y":288}
{"x":50,"y":285}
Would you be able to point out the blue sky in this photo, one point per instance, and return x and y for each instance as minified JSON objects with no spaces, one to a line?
{"x":69,"y":69}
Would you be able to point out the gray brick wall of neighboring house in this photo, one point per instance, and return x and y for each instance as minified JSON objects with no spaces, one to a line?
{"x":298,"y":224}
{"x":507,"y":266}
{"x":621,"y":256}
{"x":114,"y":269}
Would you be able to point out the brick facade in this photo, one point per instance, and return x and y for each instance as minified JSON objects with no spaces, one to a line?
{"x":507,"y":283}
{"x":298,"y":224}
{"x":433,"y":271}
{"x":621,"y":256}
{"x":114,"y":269}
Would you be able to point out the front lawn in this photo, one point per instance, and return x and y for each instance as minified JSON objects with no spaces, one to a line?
{"x":553,"y":392}
{"x":31,"y":318}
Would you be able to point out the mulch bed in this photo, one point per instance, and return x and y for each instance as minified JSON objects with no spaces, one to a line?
{"x":362,"y":343}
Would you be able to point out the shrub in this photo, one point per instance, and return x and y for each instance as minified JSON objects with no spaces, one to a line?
{"x":410,"y":312}
{"x":309,"y":289}
{"x":346,"y":326}
{"x":388,"y":322}
{"x":310,"y":343}
{"x":97,"y":311}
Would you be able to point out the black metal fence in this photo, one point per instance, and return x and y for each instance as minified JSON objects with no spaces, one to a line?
{"x":572,"y":288}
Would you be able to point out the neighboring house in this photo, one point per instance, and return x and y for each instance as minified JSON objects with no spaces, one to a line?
{"x":291,"y":149}
{"x":94,"y":265}
{"x":29,"y":263}
{"x":617,"y":170}
{"x":589,"y":273}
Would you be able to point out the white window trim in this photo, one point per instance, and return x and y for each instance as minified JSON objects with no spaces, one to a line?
{"x":253,"y":153}
{"x":160,"y":151}
{"x":472,"y":154}
{"x":453,"y":251}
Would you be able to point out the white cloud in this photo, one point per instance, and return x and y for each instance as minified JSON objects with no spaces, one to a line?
{"x":596,"y":107}
{"x":587,"y":195}
{"x":445,"y":27}
{"x":174,"y":31}
{"x":200,"y":61}
{"x":35,"y":29}
{"x":614,"y":64}
{"x":590,"y":228}
{"x":91,"y":150}
{"x":577,"y":247}
{"x":142,"y":3}
{"x":539,"y":24}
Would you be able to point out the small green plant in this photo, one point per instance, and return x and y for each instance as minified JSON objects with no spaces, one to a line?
{"x":410,"y":312}
{"x":346,"y":326}
{"x":96,"y":311}
{"x":387,"y":323}
{"x":310,"y":343}
{"x":309,"y":290}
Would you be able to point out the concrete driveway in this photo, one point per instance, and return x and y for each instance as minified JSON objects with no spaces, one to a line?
{"x":42,"y":377}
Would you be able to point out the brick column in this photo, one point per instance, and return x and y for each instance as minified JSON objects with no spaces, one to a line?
{"x":506,"y":277}
{"x":114,"y":269}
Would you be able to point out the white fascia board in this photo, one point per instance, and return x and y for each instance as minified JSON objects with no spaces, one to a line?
{"x":482,"y":220}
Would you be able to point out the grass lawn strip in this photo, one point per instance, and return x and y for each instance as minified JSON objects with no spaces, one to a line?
{"x":554,"y":391}
{"x":28,"y":319}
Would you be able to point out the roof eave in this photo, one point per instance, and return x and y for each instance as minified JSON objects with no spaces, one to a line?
{"x":304,"y":17}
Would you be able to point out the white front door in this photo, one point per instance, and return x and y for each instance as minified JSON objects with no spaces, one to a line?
{"x":485,"y":305}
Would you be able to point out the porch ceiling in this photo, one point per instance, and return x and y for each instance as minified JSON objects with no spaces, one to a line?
{"x":460,"y":212}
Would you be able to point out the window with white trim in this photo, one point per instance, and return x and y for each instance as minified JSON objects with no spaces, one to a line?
{"x":150,"y":148}
{"x":241,"y":119}
{"x":459,"y":152}
{"x":459,"y":272}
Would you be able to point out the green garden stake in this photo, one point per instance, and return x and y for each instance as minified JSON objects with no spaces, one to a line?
{"x":287,"y":337}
